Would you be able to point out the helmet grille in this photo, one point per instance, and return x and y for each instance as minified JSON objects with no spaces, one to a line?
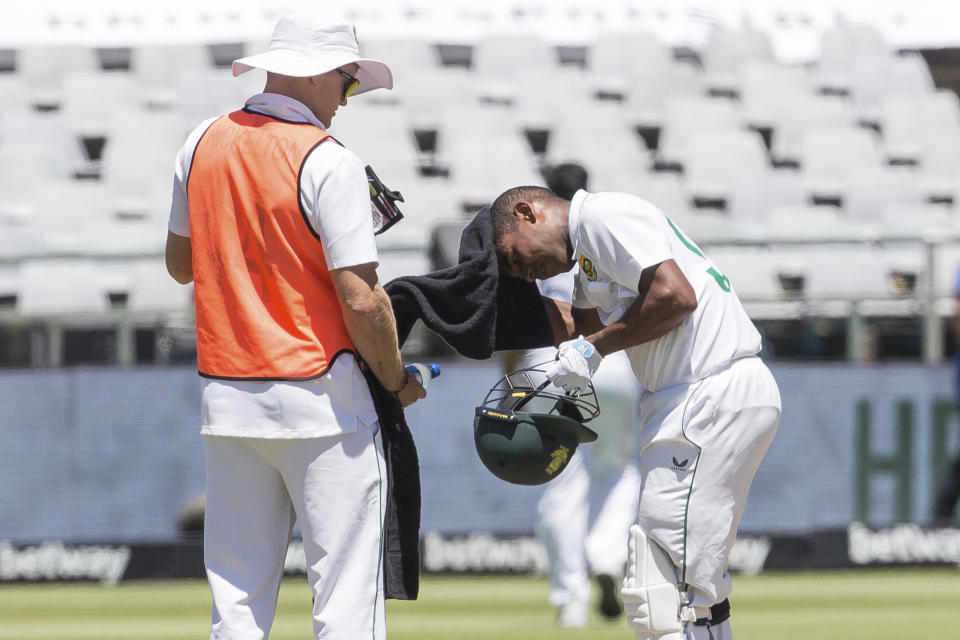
{"x":529,"y":390}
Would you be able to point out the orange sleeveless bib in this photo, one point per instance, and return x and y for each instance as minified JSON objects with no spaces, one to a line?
{"x":266,"y":306}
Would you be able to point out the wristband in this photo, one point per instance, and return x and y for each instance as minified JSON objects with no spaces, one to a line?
{"x":396,"y":393}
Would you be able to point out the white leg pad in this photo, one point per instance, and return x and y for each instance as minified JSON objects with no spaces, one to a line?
{"x":651,"y":598}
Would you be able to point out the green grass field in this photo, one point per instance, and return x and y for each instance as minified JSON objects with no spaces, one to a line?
{"x":879,"y":605}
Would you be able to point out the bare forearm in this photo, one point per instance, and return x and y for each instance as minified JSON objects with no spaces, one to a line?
{"x":586,"y":322}
{"x":373,"y":329}
{"x":636,"y":326}
{"x":665,"y":300}
{"x":561,"y":322}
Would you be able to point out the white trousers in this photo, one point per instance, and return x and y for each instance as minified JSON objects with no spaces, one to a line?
{"x":256,"y":490}
{"x":584,"y":515}
{"x":721,"y":631}
{"x":700,"y":446}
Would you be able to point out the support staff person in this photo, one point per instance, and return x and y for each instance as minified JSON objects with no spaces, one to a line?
{"x":271,"y":219}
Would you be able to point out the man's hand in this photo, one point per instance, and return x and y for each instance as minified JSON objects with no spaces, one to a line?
{"x":411,"y":391}
{"x":577,"y":361}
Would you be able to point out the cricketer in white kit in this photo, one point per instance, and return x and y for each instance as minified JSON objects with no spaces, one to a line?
{"x":710,"y":409}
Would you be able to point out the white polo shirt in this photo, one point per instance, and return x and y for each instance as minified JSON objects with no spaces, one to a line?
{"x":615,"y":236}
{"x":335,"y":198}
{"x":559,"y":287}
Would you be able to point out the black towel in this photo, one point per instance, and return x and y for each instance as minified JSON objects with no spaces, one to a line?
{"x":470,"y":305}
{"x":401,"y":526}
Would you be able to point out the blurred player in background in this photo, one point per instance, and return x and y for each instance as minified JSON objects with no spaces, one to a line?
{"x":584,"y":515}
{"x":949,"y":494}
{"x":271,"y":219}
{"x":710,"y":407}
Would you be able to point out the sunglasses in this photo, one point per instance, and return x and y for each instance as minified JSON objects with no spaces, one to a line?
{"x":350,"y":83}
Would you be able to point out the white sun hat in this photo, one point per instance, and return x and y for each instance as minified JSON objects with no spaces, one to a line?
{"x":306,"y":44}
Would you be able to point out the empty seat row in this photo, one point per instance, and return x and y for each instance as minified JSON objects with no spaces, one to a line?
{"x":494,"y":51}
{"x":909,"y":125}
{"x":44,"y":70}
{"x":726,"y":171}
{"x":848,"y":63}
{"x":56,"y":286}
{"x":834,"y":280}
{"x":89,"y":99}
{"x":884,"y":279}
{"x":76,"y":286}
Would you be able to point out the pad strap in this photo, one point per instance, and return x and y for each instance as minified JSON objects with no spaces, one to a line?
{"x":718,"y":613}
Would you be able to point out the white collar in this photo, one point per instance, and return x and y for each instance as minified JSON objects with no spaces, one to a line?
{"x":573,"y":220}
{"x":282,"y":107}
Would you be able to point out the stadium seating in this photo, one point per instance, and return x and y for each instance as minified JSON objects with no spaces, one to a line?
{"x":49,"y":135}
{"x":14,"y":95}
{"x":874,"y":79}
{"x":485,"y":161}
{"x":425,"y":94}
{"x":651,"y":91}
{"x":157,"y":67}
{"x":734,"y":142}
{"x":835,"y":276}
{"x":913,"y":219}
{"x":761,"y":277}
{"x":407,"y":55}
{"x":138,"y":156}
{"x":495,"y":55}
{"x":614,"y":155}
{"x":540,"y":99}
{"x":382,"y":137}
{"x":716,"y":164}
{"x":665,"y":190}
{"x":868,"y":190}
{"x":841,"y":48}
{"x":763,"y":86}
{"x":727,"y":51}
{"x":799,"y":114}
{"x":153,"y":290}
{"x":204,"y":92}
{"x":89,"y":100}
{"x":938,"y":160}
{"x":43,"y":68}
{"x":61,"y":286}
{"x":427,"y":204}
{"x":686,"y":118}
{"x":751,"y":271}
{"x":790,"y":224}
{"x":828,"y":156}
{"x":905,"y":118}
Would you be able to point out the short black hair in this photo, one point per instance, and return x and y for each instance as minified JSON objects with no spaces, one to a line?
{"x":566,"y":178}
{"x":501,"y":211}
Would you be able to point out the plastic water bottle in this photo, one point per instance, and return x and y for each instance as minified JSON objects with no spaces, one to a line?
{"x":424,"y":372}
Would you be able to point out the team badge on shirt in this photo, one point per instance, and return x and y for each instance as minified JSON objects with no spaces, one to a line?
{"x":586,"y":265}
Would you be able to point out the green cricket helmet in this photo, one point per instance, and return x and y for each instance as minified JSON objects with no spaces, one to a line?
{"x":527,"y":429}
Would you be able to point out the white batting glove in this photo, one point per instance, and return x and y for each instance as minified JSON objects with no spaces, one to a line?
{"x":577,"y":361}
